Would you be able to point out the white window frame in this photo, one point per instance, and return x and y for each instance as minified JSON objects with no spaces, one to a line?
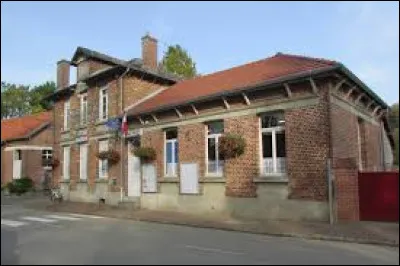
{"x":174,"y":143}
{"x":83,"y":161}
{"x":103,"y":146}
{"x":219,"y":172}
{"x":84,"y":109}
{"x":273,"y":131}
{"x":66,"y":162}
{"x":103,"y":100}
{"x":47,"y":155}
{"x":67,"y":114}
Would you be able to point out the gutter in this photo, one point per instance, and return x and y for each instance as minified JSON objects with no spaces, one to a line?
{"x":356,"y":80}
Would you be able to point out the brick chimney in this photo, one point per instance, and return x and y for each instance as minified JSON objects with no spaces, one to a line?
{"x":63,"y":67}
{"x":149,"y":51}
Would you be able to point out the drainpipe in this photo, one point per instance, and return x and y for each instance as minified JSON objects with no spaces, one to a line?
{"x":122,"y":141}
{"x":382,"y":145}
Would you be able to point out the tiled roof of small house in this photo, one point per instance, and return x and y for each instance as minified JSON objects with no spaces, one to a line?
{"x":22,"y":127}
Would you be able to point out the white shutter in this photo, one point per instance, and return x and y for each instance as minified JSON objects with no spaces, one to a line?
{"x":83,"y":161}
{"x":66,"y":162}
{"x":66,"y":114}
{"x":106,"y":102}
{"x":189,"y":178}
{"x":149,"y":178}
{"x":101,"y":105}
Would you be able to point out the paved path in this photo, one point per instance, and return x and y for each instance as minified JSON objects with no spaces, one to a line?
{"x":39,"y":237}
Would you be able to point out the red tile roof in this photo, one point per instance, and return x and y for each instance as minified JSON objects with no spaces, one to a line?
{"x":20,"y":127}
{"x":277,"y":66}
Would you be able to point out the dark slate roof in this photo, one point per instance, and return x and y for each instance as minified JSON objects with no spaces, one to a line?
{"x":82,"y":51}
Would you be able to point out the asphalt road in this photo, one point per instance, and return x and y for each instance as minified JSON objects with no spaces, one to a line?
{"x":33,"y":237}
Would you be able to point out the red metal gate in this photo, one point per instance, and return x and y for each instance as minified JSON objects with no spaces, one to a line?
{"x":379,"y":196}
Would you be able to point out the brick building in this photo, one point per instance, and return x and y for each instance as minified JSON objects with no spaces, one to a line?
{"x":26,"y":148}
{"x":294,"y":112}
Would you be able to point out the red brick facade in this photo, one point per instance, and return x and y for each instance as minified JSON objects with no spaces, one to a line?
{"x":315,"y":130}
{"x":240,"y":172}
{"x":155,"y":139}
{"x":192,"y":144}
{"x":307,"y":149}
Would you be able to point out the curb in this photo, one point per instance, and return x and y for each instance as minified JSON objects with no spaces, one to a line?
{"x":252,"y":231}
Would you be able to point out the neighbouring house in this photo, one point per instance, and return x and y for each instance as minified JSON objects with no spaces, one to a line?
{"x":301,"y":118}
{"x":26,"y":148}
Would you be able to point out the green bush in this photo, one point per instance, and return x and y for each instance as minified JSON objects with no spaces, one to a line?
{"x":20,"y":186}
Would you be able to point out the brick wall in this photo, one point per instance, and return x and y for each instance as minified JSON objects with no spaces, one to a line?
{"x":31,"y":160}
{"x":191,"y":141}
{"x":344,"y":133}
{"x":155,"y":139}
{"x":134,"y":89}
{"x":239,"y":172}
{"x":307,"y":149}
{"x":346,"y":189}
{"x":372,"y":146}
{"x":6,"y":172}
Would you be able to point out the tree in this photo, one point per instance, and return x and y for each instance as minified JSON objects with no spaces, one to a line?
{"x":14,"y":100}
{"x":38,"y":93}
{"x":20,"y":100}
{"x":178,"y":62}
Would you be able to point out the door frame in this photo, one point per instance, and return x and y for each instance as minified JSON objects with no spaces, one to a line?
{"x":14,"y":152}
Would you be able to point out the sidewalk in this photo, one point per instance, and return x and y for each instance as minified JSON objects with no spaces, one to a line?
{"x":358,"y":232}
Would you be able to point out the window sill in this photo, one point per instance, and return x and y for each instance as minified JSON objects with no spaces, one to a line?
{"x":168,"y":179}
{"x":271,"y":179}
{"x":213,"y":176}
{"x":82,"y":181}
{"x":65,"y":181}
{"x":102,"y":180}
{"x":65,"y":131}
{"x":212,"y":180}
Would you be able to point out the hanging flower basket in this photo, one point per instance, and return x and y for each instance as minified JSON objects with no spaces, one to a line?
{"x":145,"y":153}
{"x":231,"y":145}
{"x":55,"y":162}
{"x":111,"y":155}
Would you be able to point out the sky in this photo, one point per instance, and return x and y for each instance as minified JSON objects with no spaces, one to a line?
{"x":364,"y":36}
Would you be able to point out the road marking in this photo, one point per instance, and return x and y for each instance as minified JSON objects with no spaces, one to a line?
{"x":38,"y":219}
{"x":60,"y":217}
{"x":85,"y":216}
{"x":12,"y":223}
{"x":214,"y":250}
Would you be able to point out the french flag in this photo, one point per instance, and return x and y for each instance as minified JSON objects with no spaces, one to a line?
{"x":124,"y":125}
